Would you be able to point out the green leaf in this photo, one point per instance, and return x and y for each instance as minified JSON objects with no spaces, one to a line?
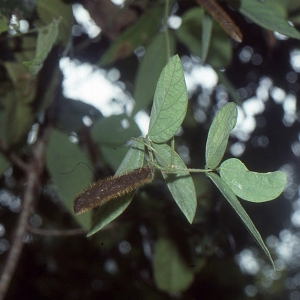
{"x":252,"y":186}
{"x":70,"y":171}
{"x":180,"y":184}
{"x":111,"y":142}
{"x":234,"y":202}
{"x":113,"y":155}
{"x":46,"y":38}
{"x":149,"y":70}
{"x":121,"y":129}
{"x":207,"y":25}
{"x":111,"y":210}
{"x":18,"y":118}
{"x":4,"y":164}
{"x":171,"y":272}
{"x":134,"y":158}
{"x":218,"y":134}
{"x":57,"y":9}
{"x":24,"y":85}
{"x":269,"y":14}
{"x":170,"y":102}
{"x":189,"y":33}
{"x":135,"y":36}
{"x":3,"y":24}
{"x":70,"y":113}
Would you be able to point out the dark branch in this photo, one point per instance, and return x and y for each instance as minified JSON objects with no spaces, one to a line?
{"x":59,"y":233}
{"x":13,"y":157}
{"x":33,"y":172}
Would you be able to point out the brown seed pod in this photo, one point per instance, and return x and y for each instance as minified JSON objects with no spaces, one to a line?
{"x":109,"y":188}
{"x":218,"y":13}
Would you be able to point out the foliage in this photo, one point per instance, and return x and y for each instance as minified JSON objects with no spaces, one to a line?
{"x":31,"y":98}
{"x":170,"y":103}
{"x":46,"y":38}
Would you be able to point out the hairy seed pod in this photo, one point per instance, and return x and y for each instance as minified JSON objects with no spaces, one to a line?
{"x":109,"y":188}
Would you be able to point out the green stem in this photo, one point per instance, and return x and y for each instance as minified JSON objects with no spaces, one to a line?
{"x":168,"y":52}
{"x":172,"y":152}
{"x":177,"y":170}
{"x":146,"y":142}
{"x":167,"y":169}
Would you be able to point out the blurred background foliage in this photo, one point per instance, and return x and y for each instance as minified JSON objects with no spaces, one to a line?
{"x":150,"y":251}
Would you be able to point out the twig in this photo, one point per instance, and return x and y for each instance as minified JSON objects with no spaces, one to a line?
{"x":61,"y":233}
{"x":168,"y":50}
{"x":33,"y":172}
{"x":13,"y":157}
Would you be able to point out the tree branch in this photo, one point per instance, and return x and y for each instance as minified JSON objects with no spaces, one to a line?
{"x":63,"y":233}
{"x":13,"y":157}
{"x":33,"y":172}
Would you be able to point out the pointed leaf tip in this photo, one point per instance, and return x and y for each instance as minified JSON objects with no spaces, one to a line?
{"x":170,"y":102}
{"x":234,"y":202}
{"x":218,"y":134}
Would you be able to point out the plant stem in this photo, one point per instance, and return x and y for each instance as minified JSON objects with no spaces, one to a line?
{"x":13,"y":157}
{"x":33,"y":176}
{"x":167,"y":169}
{"x":168,"y":52}
{"x":58,"y":233}
{"x":178,"y":170}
